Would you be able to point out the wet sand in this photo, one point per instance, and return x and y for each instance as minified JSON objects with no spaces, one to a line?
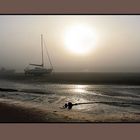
{"x":12,"y":113}
{"x":25,"y":112}
{"x":18,"y":114}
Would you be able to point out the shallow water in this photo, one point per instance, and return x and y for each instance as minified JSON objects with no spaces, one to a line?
{"x":92,"y":99}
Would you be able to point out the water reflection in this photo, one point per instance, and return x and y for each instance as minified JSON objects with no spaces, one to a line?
{"x":80,"y":88}
{"x":79,"y":98}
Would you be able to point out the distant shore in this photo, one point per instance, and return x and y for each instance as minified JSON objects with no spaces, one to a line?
{"x":79,"y":78}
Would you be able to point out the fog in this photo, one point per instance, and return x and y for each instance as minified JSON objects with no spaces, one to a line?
{"x":117,"y":47}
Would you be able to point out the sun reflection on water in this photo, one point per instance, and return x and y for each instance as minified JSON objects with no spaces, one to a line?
{"x":82,"y":91}
{"x":80,"y":88}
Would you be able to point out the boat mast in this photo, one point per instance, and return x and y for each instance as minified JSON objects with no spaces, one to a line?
{"x":42,"y":64}
{"x":42,"y":50}
{"x":48,"y":55}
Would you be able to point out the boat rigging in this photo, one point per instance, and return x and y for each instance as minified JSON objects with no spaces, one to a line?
{"x":40,"y":69}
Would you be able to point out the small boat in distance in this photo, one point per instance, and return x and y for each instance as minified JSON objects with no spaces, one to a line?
{"x":39,"y":69}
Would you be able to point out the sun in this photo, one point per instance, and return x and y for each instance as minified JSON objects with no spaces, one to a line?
{"x":80,"y":39}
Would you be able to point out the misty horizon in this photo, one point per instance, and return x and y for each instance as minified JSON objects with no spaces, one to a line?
{"x":114,"y":47}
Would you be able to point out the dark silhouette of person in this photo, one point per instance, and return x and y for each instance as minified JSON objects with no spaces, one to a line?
{"x":68,"y":105}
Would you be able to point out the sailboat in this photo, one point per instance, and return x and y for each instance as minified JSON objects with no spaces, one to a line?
{"x":39,"y":69}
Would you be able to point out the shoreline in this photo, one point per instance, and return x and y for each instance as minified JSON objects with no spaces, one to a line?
{"x":24,"y":112}
{"x":19,"y":112}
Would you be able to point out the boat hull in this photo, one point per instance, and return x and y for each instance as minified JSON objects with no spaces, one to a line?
{"x":37,"y":71}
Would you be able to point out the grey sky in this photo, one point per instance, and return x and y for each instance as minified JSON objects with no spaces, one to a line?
{"x":117,"y":46}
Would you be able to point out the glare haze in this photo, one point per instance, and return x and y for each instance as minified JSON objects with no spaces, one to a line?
{"x":116,"y":47}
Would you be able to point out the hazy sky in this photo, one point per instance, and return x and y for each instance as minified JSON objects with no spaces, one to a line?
{"x":114,"y":46}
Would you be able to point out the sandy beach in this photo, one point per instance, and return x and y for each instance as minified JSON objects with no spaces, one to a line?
{"x":20,"y":112}
{"x":25,"y":112}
